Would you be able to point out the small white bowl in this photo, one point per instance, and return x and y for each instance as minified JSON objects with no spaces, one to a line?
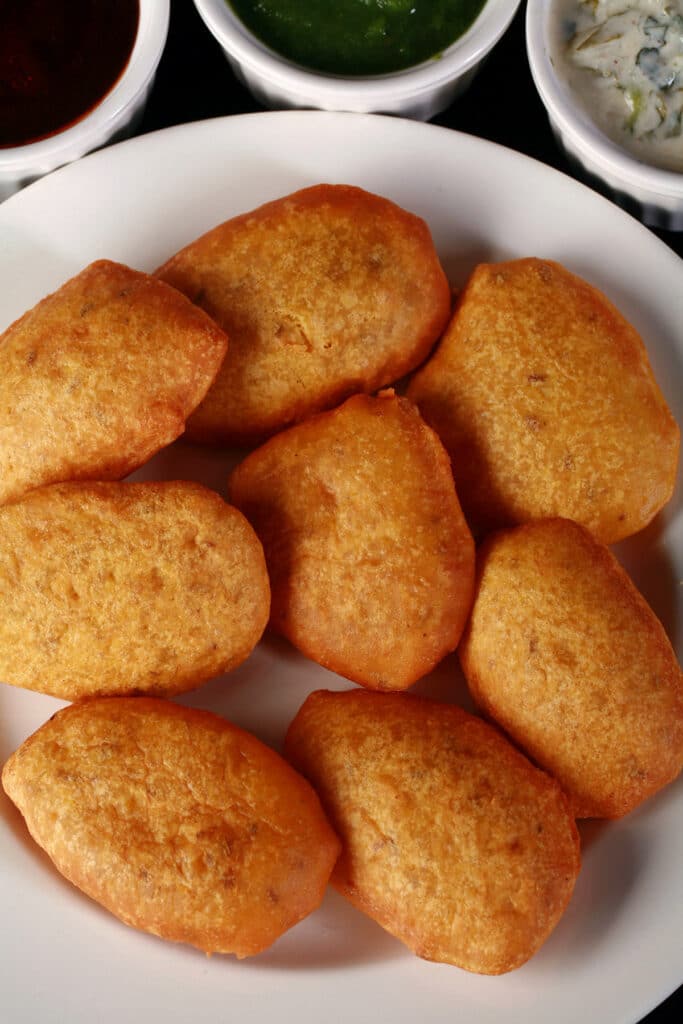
{"x":653,"y":195}
{"x":419,"y":92}
{"x":112,"y":119}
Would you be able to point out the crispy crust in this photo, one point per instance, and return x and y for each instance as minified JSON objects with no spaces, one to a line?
{"x":546,"y":402}
{"x":99,"y":376}
{"x":564,"y":653}
{"x":451,"y":839}
{"x":126,"y":588}
{"x":176,"y":821}
{"x":324,"y":293}
{"x":370,"y":559}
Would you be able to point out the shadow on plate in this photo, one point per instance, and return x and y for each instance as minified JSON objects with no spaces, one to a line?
{"x":459,"y":263}
{"x":609,"y":874}
{"x":334,"y":936}
{"x":645,"y":558}
{"x":445,"y":683}
{"x":184,"y":460}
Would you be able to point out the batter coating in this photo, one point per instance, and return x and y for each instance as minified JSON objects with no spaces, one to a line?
{"x":544,"y":397}
{"x":99,"y":376}
{"x":324,"y":293}
{"x":451,"y":839}
{"x":126,"y":588}
{"x":370,"y":559}
{"x":564,"y":653}
{"x":176,"y":821}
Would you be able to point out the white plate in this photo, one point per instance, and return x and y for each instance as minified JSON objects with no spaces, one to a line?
{"x":617,"y":951}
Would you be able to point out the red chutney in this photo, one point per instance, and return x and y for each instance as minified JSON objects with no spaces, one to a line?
{"x":58,"y":59}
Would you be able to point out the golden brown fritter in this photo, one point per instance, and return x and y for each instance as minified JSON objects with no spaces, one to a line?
{"x":126,"y":588}
{"x":564,"y":654}
{"x":324,"y":293}
{"x":543,"y":395}
{"x":451,"y":839}
{"x":370,"y":559}
{"x":176,"y":821}
{"x":99,"y":376}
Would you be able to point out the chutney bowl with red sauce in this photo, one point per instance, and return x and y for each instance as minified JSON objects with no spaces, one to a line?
{"x":108,"y":112}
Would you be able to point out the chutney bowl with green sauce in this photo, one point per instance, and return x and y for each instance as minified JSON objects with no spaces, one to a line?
{"x":114,"y":114}
{"x":652,"y":194}
{"x":336,"y":57}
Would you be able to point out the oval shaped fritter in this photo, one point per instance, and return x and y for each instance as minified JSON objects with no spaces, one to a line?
{"x":370,"y":559}
{"x":564,"y":653}
{"x":126,"y":588}
{"x":451,"y":839}
{"x":324,"y":293}
{"x":544,"y":397}
{"x":99,"y":376}
{"x":176,"y":821}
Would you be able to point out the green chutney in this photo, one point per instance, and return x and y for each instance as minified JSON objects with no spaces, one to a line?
{"x":358,"y":37}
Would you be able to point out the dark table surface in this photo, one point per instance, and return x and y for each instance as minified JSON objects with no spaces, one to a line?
{"x":194,"y":82}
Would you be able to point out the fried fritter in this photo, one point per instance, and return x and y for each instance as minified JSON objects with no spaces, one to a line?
{"x":176,"y":821}
{"x":564,"y":653}
{"x":451,"y":839}
{"x":126,"y":588}
{"x":370,"y":559}
{"x":543,"y":395}
{"x":324,"y":293}
{"x":99,"y":376}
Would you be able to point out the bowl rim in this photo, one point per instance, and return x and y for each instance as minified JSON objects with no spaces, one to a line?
{"x":585,"y":136}
{"x":95,"y":127}
{"x":464,"y":53}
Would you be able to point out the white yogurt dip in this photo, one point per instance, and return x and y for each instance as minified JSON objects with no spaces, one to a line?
{"x":623,"y":59}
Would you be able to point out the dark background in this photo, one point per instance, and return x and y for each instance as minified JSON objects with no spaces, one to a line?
{"x":194,"y":82}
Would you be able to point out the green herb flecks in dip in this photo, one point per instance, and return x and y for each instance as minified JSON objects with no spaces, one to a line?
{"x":623,"y":61}
{"x":358,"y":37}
